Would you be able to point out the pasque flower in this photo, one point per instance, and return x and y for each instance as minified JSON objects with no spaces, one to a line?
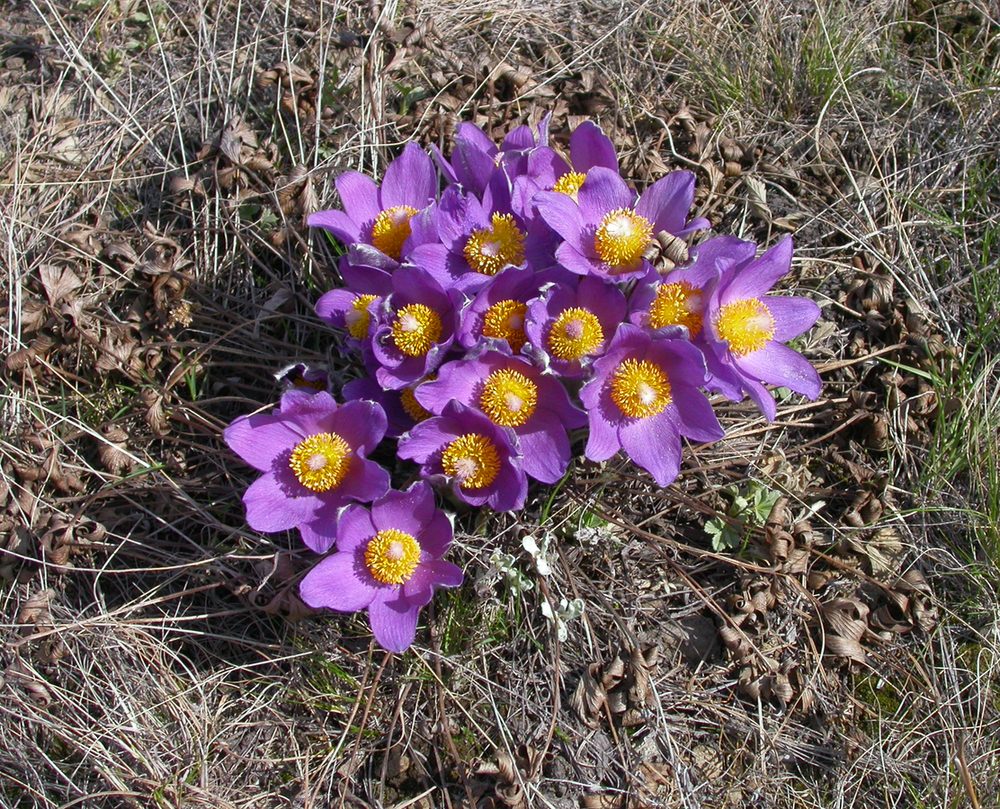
{"x":478,"y":458}
{"x":607,"y":231}
{"x":512,"y":393}
{"x":388,"y":561}
{"x":380,"y":215}
{"x":746,"y":329}
{"x":312,"y":452}
{"x":643,"y":396}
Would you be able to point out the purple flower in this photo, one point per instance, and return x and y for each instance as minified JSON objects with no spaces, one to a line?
{"x":301,"y":376}
{"x":572,"y":323}
{"x":388,"y":561}
{"x":415,"y":329}
{"x":353,"y":309}
{"x":312,"y":453}
{"x":643,"y":397}
{"x":477,"y":457}
{"x":380,"y":215}
{"x":745,"y":330}
{"x":401,"y":408}
{"x":478,"y":240}
{"x":608,"y":232}
{"x":512,"y":393}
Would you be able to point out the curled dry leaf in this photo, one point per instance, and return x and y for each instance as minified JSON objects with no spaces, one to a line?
{"x":845,"y":622}
{"x":112,"y":450}
{"x":60,"y":283}
{"x":155,"y":415}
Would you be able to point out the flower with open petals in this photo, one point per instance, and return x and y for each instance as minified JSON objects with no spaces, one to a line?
{"x":643,"y":397}
{"x":380,"y":215}
{"x":512,"y":393}
{"x":571,"y":324}
{"x":477,"y":457}
{"x":416,"y":326}
{"x":388,"y":561}
{"x":746,"y":329}
{"x":607,"y":231}
{"x":312,"y":452}
{"x":353,"y":308}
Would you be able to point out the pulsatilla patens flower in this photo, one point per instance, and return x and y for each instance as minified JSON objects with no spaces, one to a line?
{"x":606,"y":231}
{"x":312,"y":452}
{"x":746,"y":329}
{"x":354,"y":307}
{"x":380,"y":215}
{"x":643,"y":397}
{"x":571,"y":324}
{"x":388,"y":561}
{"x":512,"y":393}
{"x":416,"y":328}
{"x":476,"y":456}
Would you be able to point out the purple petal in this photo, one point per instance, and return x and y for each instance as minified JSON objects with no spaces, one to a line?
{"x":393,"y":620}
{"x":590,"y":147}
{"x":319,"y":535}
{"x":361,"y":423}
{"x":365,"y":481}
{"x":408,"y":511}
{"x":354,"y":528}
{"x":602,"y":439}
{"x":792,"y":316}
{"x":434,"y":259}
{"x":545,"y":447}
{"x":655,"y":445}
{"x":424,"y":440}
{"x":602,"y":192}
{"x":510,"y":489}
{"x":761,"y":397}
{"x":576,"y":262}
{"x":456,"y":381}
{"x":409,"y":179}
{"x":335,"y":583}
{"x":359,"y":196}
{"x":436,"y":536}
{"x":338,"y":223}
{"x":435,"y":573}
{"x":332,"y":305}
{"x":258,"y":440}
{"x":667,"y":201}
{"x":777,"y":364}
{"x":270,"y":506}
{"x":562,"y":215}
{"x":695,"y":415}
{"x":759,"y":276}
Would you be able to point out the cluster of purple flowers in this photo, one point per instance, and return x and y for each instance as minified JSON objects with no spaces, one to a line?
{"x":494,"y":316}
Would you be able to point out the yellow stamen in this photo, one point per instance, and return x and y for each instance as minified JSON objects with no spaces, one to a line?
{"x":508,"y":398}
{"x":489,"y":250}
{"x":570,"y":183}
{"x":472,"y":459}
{"x":412,"y":407}
{"x":505,"y":321}
{"x":576,"y":333}
{"x":676,"y":305}
{"x":640,"y":389}
{"x":622,"y":238}
{"x":416,"y":328}
{"x":358,"y":318}
{"x":746,"y":325}
{"x":391,"y":229}
{"x":321,"y":461}
{"x":391,"y":556}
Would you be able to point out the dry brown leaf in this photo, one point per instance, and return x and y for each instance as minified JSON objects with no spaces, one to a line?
{"x":59,"y":283}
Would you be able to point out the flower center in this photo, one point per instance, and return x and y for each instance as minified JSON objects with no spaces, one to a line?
{"x":640,"y":389}
{"x":575,"y":333}
{"x":569,"y":183}
{"x":391,"y":556}
{"x":676,"y":305}
{"x":508,"y":398}
{"x":412,"y":407}
{"x":416,"y":328}
{"x":489,"y":250}
{"x":358,"y":318}
{"x":391,"y":229}
{"x":746,"y":325}
{"x":505,"y":321}
{"x":472,"y":459}
{"x":622,"y":238}
{"x":321,"y":461}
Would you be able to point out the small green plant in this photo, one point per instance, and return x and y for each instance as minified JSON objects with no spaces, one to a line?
{"x":748,"y":508}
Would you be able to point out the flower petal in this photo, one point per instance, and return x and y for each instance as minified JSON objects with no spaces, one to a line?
{"x":338,"y":223}
{"x":336,"y":583}
{"x":270,"y":506}
{"x":545,"y":447}
{"x":408,"y":511}
{"x":695,"y":415}
{"x":792,"y":316}
{"x":667,"y":201}
{"x":409,"y":179}
{"x":393,"y":620}
{"x":561,"y":214}
{"x":259,"y":439}
{"x":654,"y":444}
{"x":437,"y":573}
{"x":360,"y":422}
{"x":602,"y":192}
{"x":759,"y":276}
{"x":589,"y":147}
{"x":359,"y":196}
{"x":354,"y":528}
{"x":777,"y":364}
{"x":364,"y":481}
